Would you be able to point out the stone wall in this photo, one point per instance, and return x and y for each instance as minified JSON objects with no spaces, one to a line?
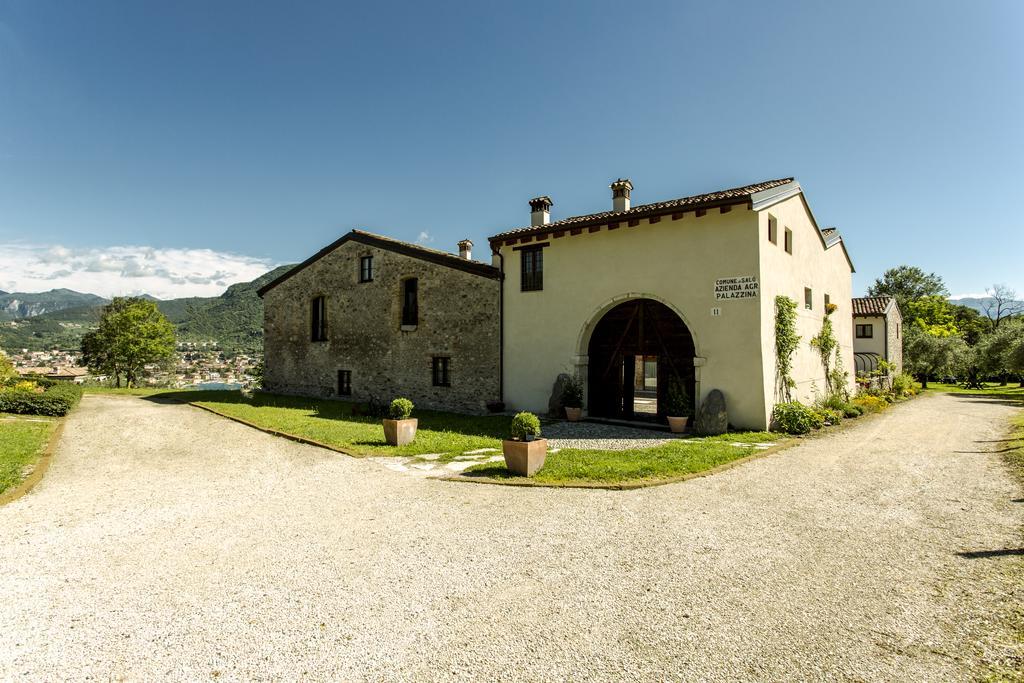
{"x":458,"y":318}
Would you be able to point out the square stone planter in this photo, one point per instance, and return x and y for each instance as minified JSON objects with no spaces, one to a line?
{"x":524,"y":458}
{"x":400,"y":432}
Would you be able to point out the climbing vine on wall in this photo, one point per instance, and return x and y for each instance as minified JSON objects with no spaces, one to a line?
{"x":831,"y":360}
{"x":786,"y":343}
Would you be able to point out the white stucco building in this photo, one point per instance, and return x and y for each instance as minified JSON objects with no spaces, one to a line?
{"x":877,"y":333}
{"x":629,"y":298}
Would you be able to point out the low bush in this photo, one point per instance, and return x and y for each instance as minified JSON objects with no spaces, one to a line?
{"x":401,"y":409}
{"x":830,"y":416}
{"x":903,"y":385}
{"x":55,"y":400}
{"x":572,"y":394}
{"x":523,"y":425}
{"x":852,"y":410}
{"x":795,"y":418}
{"x":870,"y":403}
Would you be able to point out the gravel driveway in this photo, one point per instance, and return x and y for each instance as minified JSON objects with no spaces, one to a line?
{"x":167,"y":543}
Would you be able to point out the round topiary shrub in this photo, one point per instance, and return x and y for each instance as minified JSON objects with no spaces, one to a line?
{"x":401,"y":409}
{"x":523,"y":425}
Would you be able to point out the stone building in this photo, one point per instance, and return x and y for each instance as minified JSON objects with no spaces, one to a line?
{"x":371,"y":318}
{"x":878,"y":333}
{"x":631,"y":301}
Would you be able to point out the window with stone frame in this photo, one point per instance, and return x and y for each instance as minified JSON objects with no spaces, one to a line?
{"x":366,"y":269}
{"x":410,"y":302}
{"x":318,"y":319}
{"x":344,"y":382}
{"x":441,"y":369}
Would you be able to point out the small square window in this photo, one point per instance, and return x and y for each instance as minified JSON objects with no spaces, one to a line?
{"x":789,"y":241}
{"x":808,"y":298}
{"x":366,"y":269}
{"x":441,"y":371}
{"x":344,"y":382}
{"x":773,"y":230}
{"x":865,"y":331}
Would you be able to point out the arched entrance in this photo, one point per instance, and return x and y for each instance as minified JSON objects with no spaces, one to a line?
{"x":636,"y":350}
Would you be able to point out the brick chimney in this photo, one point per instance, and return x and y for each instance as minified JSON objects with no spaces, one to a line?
{"x":620,"y":194}
{"x":540,"y":210}
{"x":466,"y":249}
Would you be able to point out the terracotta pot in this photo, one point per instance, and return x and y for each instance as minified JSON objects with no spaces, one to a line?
{"x":400,"y":432}
{"x":524,"y":457}
{"x":573,"y":414}
{"x":677,"y":424}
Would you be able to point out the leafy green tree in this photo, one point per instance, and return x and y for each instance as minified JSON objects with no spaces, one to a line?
{"x":7,"y":370}
{"x":1001,"y":353}
{"x":906,"y":284}
{"x":971,"y":324}
{"x":132,"y":334}
{"x":927,"y":355}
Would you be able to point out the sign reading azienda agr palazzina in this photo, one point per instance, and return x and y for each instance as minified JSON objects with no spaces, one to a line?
{"x":727,"y":288}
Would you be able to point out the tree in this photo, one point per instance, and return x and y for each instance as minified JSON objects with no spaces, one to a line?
{"x":971,"y":324}
{"x":1001,"y":352}
{"x":927,"y":355}
{"x":933,"y":314}
{"x":132,"y":334}
{"x":7,"y":370}
{"x":906,"y":284}
{"x":1001,"y":304}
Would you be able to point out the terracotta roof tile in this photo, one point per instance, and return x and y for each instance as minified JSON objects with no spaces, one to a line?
{"x":871,"y":305}
{"x":695,"y":201}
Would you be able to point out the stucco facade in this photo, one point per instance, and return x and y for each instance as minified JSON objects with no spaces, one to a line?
{"x":676,"y":259}
{"x":457,"y":319}
{"x":884,"y":336}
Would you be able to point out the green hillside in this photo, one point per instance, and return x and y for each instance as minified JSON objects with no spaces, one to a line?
{"x":234,"y":320}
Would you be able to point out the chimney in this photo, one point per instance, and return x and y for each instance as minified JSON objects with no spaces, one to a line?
{"x":466,"y":249}
{"x":620,"y":194}
{"x":540,"y":210}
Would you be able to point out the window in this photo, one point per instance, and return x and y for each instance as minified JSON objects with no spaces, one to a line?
{"x":897,"y":330}
{"x":773,"y":230}
{"x":410,"y":302}
{"x":865,"y":331}
{"x":827,"y":302}
{"x":318,"y":318}
{"x":366,"y":269}
{"x":441,"y":366}
{"x":789,"y":241}
{"x":344,"y":382}
{"x":532,"y":269}
{"x":808,"y":298}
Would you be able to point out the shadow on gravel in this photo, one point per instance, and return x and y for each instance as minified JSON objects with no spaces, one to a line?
{"x":982,"y":554}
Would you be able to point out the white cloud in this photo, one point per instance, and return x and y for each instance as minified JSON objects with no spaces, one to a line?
{"x":124,"y":270}
{"x":424,"y":238}
{"x":957,"y":297}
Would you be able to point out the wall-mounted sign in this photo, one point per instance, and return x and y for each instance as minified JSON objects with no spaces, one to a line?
{"x":728,"y":288}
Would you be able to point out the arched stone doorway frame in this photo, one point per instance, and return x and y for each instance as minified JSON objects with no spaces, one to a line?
{"x":581,"y":361}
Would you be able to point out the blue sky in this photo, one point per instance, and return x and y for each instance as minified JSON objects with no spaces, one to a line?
{"x":174,"y":146}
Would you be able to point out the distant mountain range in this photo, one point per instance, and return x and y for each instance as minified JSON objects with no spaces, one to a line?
{"x":15,"y":306}
{"x":979,"y":303}
{"x":59,"y":318}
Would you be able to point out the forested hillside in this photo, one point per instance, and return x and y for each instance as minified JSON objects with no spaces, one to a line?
{"x":234,"y":319}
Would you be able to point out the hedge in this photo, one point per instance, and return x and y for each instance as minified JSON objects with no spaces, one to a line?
{"x":56,"y":400}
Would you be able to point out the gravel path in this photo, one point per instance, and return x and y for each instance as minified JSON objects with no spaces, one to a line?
{"x":167,"y":543}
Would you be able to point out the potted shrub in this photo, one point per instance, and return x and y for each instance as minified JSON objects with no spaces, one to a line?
{"x":572,"y":399}
{"x":677,"y":407}
{"x":400,"y":429}
{"x":525,"y":452}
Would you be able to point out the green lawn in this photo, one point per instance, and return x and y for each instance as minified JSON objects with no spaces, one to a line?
{"x":669,"y":461}
{"x":449,"y":434}
{"x":22,"y":440}
{"x":332,"y":423}
{"x":1012,"y":390}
